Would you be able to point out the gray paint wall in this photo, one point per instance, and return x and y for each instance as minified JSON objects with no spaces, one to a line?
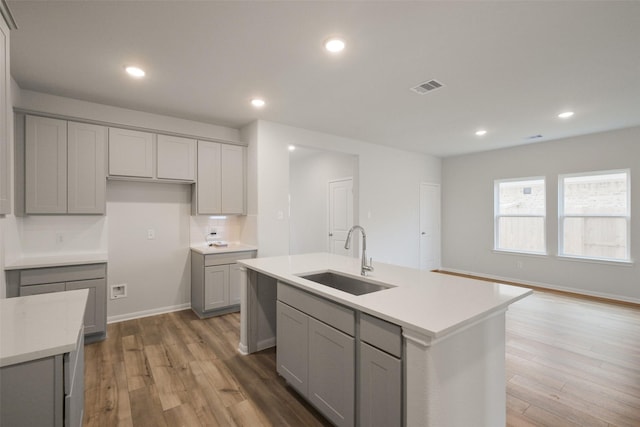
{"x":467,"y":212}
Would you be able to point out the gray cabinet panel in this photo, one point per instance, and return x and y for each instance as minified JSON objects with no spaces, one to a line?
{"x":233,"y":179}
{"x":131,"y":153}
{"x":87,"y":171}
{"x":41,"y":289}
{"x":384,"y":335}
{"x":292,"y":357}
{"x":38,"y":276}
{"x":5,"y":119}
{"x":95,"y":316}
{"x":332,"y":373}
{"x":45,"y":165}
{"x":216,"y":287}
{"x":234,"y":284}
{"x":221,"y":184}
{"x":380,"y":388}
{"x":333,"y":314}
{"x":209,"y":182}
{"x":176,"y":158}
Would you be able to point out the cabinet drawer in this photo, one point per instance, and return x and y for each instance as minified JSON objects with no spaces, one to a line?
{"x":381,"y":334}
{"x":41,"y":289}
{"x":326,"y":311}
{"x":39,"y":276}
{"x":228,"y":258}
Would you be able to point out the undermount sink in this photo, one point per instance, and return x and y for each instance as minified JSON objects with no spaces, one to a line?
{"x":348,"y":284}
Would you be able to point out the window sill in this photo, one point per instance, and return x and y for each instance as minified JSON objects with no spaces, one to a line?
{"x":520,"y":253}
{"x":622,"y":263}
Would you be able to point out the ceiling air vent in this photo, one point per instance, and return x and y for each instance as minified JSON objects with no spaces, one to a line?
{"x":427,"y":86}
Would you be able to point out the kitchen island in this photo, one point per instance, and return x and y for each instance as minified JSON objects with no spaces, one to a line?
{"x":453,"y":330}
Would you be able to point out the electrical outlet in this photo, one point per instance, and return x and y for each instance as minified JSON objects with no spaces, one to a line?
{"x":520,"y":264}
{"x":151,"y":234}
{"x":59,"y":238}
{"x":118,"y":291}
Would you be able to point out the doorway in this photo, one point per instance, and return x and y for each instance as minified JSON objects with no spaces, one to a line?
{"x":340,"y":215}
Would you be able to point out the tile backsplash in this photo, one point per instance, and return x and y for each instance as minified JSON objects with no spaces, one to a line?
{"x":226,"y":227}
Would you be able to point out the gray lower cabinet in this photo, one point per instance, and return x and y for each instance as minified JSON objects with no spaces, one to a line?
{"x":57,"y":279}
{"x":380,"y":368}
{"x":316,"y":352}
{"x":44,"y":392}
{"x":215,"y":282}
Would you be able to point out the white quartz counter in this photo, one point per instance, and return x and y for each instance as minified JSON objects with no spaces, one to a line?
{"x":433,"y":304}
{"x":232,"y":247}
{"x":40,"y":326}
{"x":58,"y":260}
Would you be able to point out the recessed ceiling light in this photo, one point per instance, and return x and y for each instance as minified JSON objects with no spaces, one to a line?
{"x":258,"y":102}
{"x":481,"y":132}
{"x":135,"y":71}
{"x":565,"y":115}
{"x":334,"y":45}
{"x":292,"y":147}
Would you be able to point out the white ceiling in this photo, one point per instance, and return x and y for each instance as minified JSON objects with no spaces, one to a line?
{"x":509,"y":67}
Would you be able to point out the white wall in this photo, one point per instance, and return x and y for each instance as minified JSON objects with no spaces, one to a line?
{"x":156,"y":271}
{"x":309,"y":174}
{"x":389,"y":182}
{"x":467,"y":212}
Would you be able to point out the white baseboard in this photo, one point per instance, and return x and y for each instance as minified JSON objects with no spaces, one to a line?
{"x":147,"y":313}
{"x":545,"y":285}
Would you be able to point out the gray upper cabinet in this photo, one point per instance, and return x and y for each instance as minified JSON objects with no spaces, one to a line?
{"x":45,"y":166}
{"x":5,"y":118}
{"x":220,"y":187}
{"x":176,"y":158}
{"x":131,"y":153}
{"x":86,"y":168}
{"x":65,"y":169}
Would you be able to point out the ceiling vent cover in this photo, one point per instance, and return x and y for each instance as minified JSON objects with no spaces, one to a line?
{"x":427,"y":86}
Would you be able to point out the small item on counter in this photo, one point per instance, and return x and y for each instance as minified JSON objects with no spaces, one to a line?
{"x":211,"y":238}
{"x":220,"y":243}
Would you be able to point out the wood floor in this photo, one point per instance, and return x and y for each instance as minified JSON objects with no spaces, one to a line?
{"x":570,"y":362}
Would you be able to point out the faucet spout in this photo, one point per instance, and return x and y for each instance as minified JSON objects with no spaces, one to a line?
{"x":364,"y":266}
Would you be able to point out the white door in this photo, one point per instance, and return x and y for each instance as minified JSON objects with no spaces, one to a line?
{"x":429,"y":226}
{"x":340,"y":215}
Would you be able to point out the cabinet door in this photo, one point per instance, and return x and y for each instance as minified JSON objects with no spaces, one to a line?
{"x":233,"y":177}
{"x":332,"y":373}
{"x":5,"y":119}
{"x":380,"y":388}
{"x":292,"y":340}
{"x":234,"y":284}
{"x":95,"y":318}
{"x":41,"y":289}
{"x":86,"y":174}
{"x":209,"y":175}
{"x":216,"y":287}
{"x":130,"y":153}
{"x":176,"y":158}
{"x":45,"y":165}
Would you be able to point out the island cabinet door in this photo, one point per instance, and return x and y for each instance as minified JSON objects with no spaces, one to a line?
{"x":292,"y":355}
{"x":332,"y":373}
{"x":380,"y":388}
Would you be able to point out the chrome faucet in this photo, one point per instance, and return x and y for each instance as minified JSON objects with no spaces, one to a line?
{"x":364,"y":267}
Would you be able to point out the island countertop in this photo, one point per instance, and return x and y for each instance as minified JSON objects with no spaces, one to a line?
{"x":430,"y":303}
{"x":39,"y":326}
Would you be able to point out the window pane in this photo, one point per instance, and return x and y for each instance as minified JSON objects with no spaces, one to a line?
{"x":596,"y":195}
{"x":521,"y":234}
{"x":521,"y":198}
{"x":596,"y":237}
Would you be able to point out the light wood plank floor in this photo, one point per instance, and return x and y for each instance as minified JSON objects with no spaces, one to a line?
{"x":570,"y":362}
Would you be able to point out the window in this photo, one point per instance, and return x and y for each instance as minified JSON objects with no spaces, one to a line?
{"x":594,"y":215}
{"x":520,"y":214}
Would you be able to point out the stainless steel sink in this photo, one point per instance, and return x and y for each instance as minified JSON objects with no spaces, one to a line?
{"x":343,"y":283}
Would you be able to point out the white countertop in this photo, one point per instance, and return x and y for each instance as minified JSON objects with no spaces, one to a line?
{"x":40,"y":326}
{"x":58,"y":260}
{"x":232,"y":247}
{"x":430,"y":303}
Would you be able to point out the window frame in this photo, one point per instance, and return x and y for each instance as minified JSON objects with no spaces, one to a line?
{"x":562,"y":216}
{"x":497,"y":215}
